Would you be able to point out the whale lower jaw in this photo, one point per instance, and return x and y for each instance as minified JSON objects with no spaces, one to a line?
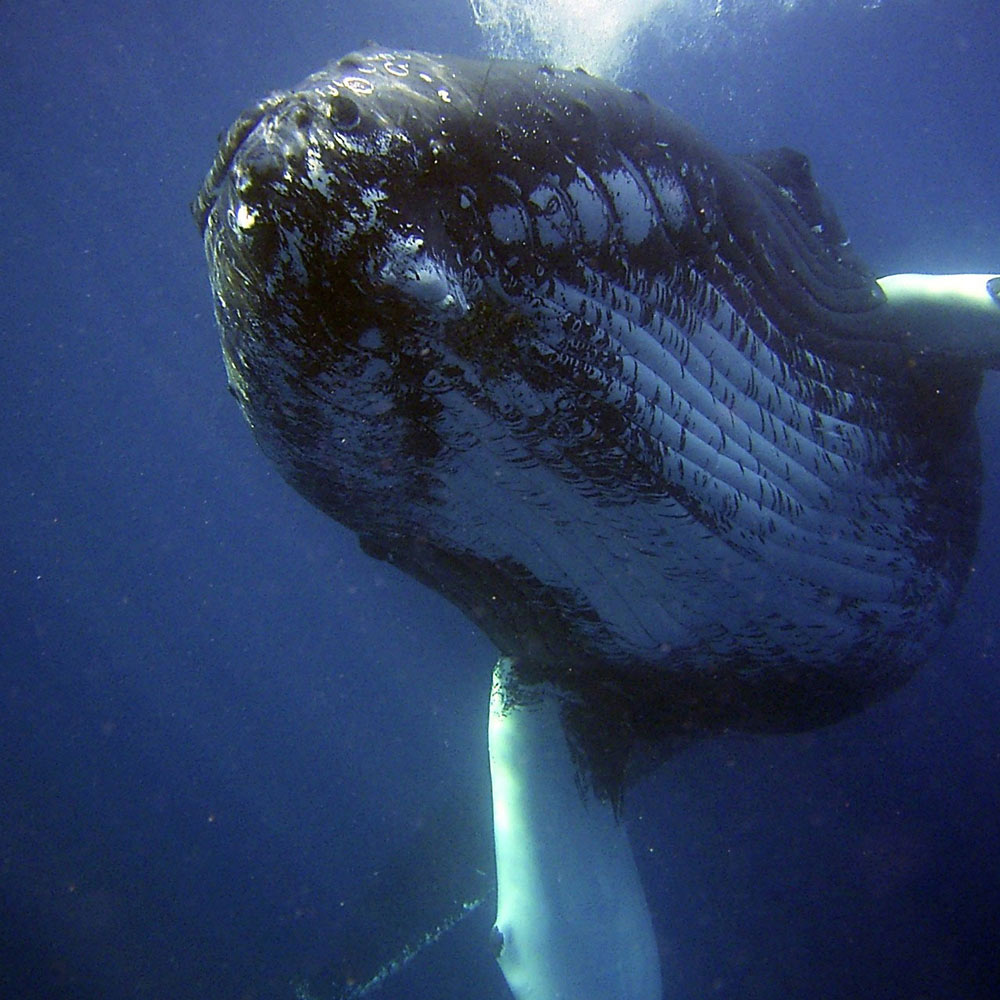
{"x":572,"y":921}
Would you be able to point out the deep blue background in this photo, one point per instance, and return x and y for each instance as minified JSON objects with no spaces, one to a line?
{"x":216,"y":715}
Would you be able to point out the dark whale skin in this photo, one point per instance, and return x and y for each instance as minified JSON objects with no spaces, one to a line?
{"x":632,"y":404}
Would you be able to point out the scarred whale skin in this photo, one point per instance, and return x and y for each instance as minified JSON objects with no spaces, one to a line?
{"x":633,"y":405}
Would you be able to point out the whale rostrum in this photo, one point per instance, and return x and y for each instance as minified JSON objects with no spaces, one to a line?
{"x":635,"y":406}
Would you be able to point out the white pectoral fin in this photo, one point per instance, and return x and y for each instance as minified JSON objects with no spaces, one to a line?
{"x":946,"y":316}
{"x":572,"y":921}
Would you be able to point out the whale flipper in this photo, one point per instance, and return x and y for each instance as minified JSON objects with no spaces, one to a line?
{"x":572,"y":919}
{"x":946,"y":317}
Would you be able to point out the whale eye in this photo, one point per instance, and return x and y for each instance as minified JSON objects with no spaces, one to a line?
{"x":496,"y":941}
{"x":344,"y":113}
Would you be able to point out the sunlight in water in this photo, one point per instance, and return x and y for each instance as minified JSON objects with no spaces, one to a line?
{"x":596,"y":34}
{"x":601,"y":35}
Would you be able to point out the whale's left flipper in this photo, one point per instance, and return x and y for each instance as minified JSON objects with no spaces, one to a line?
{"x":572,"y":920}
{"x":944,"y":317}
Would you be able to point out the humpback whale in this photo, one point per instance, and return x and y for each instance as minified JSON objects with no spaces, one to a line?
{"x":635,"y":406}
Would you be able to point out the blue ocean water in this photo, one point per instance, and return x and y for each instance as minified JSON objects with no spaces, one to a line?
{"x":217,"y":717}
